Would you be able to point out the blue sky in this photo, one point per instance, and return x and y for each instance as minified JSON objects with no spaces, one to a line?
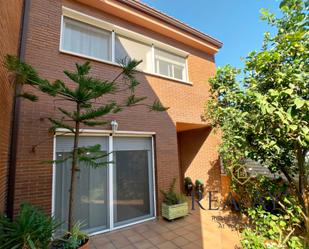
{"x":234,"y":22}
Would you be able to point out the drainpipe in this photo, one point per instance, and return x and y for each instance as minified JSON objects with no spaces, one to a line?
{"x":15,"y":116}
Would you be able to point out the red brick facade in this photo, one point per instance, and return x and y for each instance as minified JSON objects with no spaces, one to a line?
{"x":186,"y":102}
{"x":198,"y":152}
{"x":10,"y":13}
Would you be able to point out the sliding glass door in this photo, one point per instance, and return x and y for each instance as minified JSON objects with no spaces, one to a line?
{"x":110,"y":196}
{"x":132,"y":173}
{"x":92,"y":193}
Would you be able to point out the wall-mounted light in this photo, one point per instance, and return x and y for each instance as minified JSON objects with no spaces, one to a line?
{"x":114,"y":125}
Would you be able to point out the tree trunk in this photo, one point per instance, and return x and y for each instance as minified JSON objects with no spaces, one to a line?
{"x":73,"y":171}
{"x":294,"y":185}
{"x":306,"y":201}
{"x":302,"y":196}
{"x":303,"y":186}
{"x":301,"y":169}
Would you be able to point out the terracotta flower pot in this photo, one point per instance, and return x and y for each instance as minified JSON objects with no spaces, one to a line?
{"x":60,"y":243}
{"x":86,"y":245}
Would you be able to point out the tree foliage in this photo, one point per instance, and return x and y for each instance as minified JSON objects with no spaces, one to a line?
{"x":263,"y":110}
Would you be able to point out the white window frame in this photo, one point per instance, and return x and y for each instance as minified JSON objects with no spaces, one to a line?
{"x":112,"y":41}
{"x":110,"y":135}
{"x":173,"y":63}
{"x":114,"y":29}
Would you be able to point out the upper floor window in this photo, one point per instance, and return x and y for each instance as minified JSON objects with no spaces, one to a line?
{"x":126,"y":47}
{"x":170,"y":65}
{"x":85,"y":39}
{"x":102,"y":42}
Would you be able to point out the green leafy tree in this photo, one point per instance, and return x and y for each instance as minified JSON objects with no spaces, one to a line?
{"x":90,"y":102}
{"x":263,"y":110}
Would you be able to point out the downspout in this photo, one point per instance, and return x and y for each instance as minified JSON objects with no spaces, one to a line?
{"x":15,"y":115}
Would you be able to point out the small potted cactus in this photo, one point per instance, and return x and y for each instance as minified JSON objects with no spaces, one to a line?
{"x":174,"y":205}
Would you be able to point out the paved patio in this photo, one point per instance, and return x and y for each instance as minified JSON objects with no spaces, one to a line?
{"x":200,"y":229}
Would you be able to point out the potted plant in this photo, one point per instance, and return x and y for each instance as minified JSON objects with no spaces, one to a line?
{"x":188,"y":184}
{"x":174,"y":204}
{"x":89,"y":109}
{"x":31,"y":228}
{"x":72,"y":240}
{"x":199,"y":188}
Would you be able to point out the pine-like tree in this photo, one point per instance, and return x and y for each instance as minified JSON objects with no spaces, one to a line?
{"x":89,"y":107}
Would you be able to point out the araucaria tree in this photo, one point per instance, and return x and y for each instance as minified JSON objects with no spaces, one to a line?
{"x":89,"y":107}
{"x":263,"y":110}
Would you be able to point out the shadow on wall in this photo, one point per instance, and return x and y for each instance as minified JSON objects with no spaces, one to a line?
{"x":213,"y":182}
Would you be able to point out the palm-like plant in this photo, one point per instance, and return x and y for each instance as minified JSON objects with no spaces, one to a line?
{"x":88,"y":106}
{"x":31,"y":229}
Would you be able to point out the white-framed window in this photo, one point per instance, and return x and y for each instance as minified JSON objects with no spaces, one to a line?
{"x":170,"y":65}
{"x":84,"y":39}
{"x":128,"y":48}
{"x":91,"y":38}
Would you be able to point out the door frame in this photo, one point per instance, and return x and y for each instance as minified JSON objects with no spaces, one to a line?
{"x":110,"y":135}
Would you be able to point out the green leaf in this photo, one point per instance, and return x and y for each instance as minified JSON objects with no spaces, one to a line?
{"x":59,"y":124}
{"x":98,"y":112}
{"x":67,"y":113}
{"x":133,"y":100}
{"x":293,"y":127}
{"x":288,"y":91}
{"x":299,"y":103}
{"x":282,"y":223}
{"x":28,"y":96}
{"x":305,"y":130}
{"x":31,"y":244}
{"x":157,"y":106}
{"x":94,"y":123}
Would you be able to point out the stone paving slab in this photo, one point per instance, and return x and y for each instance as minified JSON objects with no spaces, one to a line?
{"x":200,"y":229}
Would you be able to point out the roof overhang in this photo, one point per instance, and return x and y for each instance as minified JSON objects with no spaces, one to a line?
{"x":147,"y":17}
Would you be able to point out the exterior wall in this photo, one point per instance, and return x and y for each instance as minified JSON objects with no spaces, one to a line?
{"x":34,"y":180}
{"x":10,"y":12}
{"x":199,"y":157}
{"x":225,"y":185}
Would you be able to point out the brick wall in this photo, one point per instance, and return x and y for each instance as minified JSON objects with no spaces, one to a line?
{"x":34,"y":180}
{"x":199,"y":157}
{"x":10,"y":12}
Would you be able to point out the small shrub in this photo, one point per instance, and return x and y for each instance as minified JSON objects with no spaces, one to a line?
{"x":250,"y":240}
{"x":71,"y":240}
{"x":31,"y":229}
{"x":261,"y":191}
{"x":188,"y":184}
{"x":199,"y":188}
{"x":199,"y":182}
{"x":281,"y":230}
{"x":171,"y":197}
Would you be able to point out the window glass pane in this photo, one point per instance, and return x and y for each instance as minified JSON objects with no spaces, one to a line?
{"x":178,"y":72}
{"x":170,"y":64}
{"x":163,"y":68}
{"x":126,"y":47}
{"x":132,"y":180}
{"x":86,"y":39}
{"x":91,"y":195}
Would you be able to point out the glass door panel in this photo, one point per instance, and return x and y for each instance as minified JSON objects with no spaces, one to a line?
{"x":132,"y":173}
{"x":91,"y":197}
